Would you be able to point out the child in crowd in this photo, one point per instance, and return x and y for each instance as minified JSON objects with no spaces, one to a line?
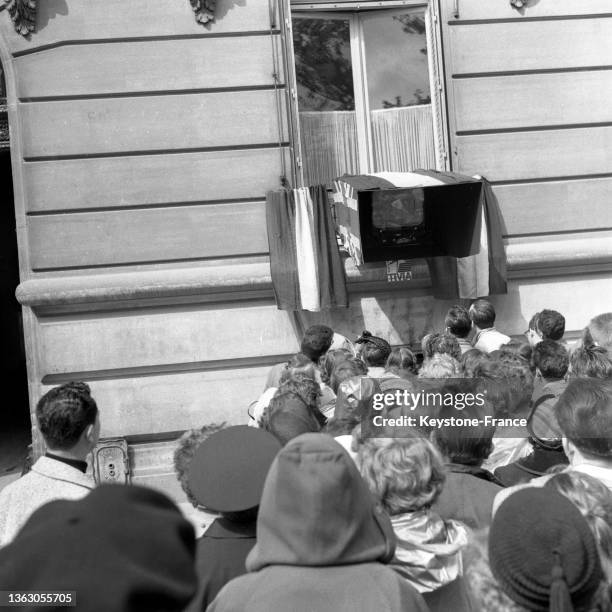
{"x":374,"y":352}
{"x":401,"y":363}
{"x":590,"y":361}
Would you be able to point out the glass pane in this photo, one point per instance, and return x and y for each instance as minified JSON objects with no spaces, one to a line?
{"x":398,"y":91}
{"x":326,"y":100}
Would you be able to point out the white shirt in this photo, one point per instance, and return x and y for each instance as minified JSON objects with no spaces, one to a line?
{"x":489,"y":340}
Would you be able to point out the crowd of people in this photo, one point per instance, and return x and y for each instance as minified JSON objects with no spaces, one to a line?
{"x":315,"y":510}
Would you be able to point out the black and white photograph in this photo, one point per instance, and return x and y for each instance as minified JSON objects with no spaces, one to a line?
{"x":306,"y":305}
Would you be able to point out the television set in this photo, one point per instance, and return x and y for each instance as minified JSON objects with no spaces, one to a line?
{"x":409,"y":222}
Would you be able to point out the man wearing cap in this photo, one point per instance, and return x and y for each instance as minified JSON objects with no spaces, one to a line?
{"x":69,"y":422}
{"x":226,"y":475}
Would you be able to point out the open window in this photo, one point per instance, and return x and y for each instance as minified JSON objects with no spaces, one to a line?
{"x":366,"y":95}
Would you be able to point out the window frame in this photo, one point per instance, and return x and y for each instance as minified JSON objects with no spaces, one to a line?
{"x":351,"y":10}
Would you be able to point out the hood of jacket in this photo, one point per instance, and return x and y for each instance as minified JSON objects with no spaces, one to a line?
{"x":428,"y":549}
{"x":317,"y":511}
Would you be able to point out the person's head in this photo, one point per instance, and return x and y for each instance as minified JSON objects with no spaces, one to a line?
{"x":303,"y":385}
{"x":594,"y":501}
{"x":546,"y":325}
{"x":440,"y":365}
{"x":330,"y":360}
{"x":542,"y":552}
{"x":299,"y":364}
{"x":404,"y":474}
{"x":464,"y":445}
{"x":551,"y":359}
{"x":121,"y":548}
{"x":185,"y":449}
{"x":353,"y":366}
{"x":292,"y":413}
{"x":590,"y":361}
{"x":227,"y":471}
{"x":317,"y":511}
{"x":374,"y":350}
{"x":509,"y":384}
{"x":584,"y":413}
{"x":599,"y":332}
{"x":401,"y":362}
{"x":441,"y":344}
{"x":472,"y":359}
{"x":68,"y":419}
{"x":482,"y":314}
{"x":458,"y":322}
{"x":316,"y":341}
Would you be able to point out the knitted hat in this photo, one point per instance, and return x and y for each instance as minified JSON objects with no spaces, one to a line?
{"x":542,"y":551}
{"x":121,"y":548}
{"x":228,"y":469}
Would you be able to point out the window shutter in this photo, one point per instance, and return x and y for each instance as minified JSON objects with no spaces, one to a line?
{"x":438,"y":99}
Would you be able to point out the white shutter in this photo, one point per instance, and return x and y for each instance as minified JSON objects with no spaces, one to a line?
{"x":436,"y":75}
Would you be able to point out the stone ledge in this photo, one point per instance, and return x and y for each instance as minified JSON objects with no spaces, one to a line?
{"x":549,"y":256}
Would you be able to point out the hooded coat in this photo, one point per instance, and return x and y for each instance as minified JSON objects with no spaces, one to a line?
{"x":321,"y":541}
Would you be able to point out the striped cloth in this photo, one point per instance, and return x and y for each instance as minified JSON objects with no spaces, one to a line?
{"x":305,"y":264}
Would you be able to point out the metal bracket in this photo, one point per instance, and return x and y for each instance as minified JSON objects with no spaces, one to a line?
{"x":111,"y":461}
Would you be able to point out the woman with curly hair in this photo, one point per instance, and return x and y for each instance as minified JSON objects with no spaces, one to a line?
{"x":406,"y":476}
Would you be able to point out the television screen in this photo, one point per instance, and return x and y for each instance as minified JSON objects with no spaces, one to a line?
{"x":397,"y":209}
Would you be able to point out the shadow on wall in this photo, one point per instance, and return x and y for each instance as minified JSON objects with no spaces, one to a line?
{"x":47,"y":10}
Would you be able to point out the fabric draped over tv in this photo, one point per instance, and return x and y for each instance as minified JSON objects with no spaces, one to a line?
{"x":307,"y":269}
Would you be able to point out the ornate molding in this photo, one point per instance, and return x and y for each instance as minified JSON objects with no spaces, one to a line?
{"x":204,"y":10}
{"x":23,"y":14}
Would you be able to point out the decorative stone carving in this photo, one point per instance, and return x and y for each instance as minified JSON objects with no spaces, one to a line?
{"x":23,"y":14}
{"x":204,"y":10}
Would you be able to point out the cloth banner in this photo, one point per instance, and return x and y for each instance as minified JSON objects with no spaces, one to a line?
{"x":305,"y":264}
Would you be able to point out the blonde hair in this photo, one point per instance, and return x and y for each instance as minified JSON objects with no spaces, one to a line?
{"x":440,"y":365}
{"x":403,"y":474}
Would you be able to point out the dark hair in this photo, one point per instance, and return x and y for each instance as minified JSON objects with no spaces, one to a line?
{"x":458,"y":321}
{"x":465,"y":445}
{"x":600,"y":331}
{"x":471,"y":360}
{"x":590,"y":361}
{"x":375,"y":350}
{"x":584,"y":412}
{"x":330,"y":360}
{"x":316,"y":341}
{"x":299,"y":364}
{"x":551,"y":358}
{"x":550,"y":324}
{"x":441,"y":344}
{"x":482,"y":313}
{"x":401,"y":361}
{"x":353,"y":366}
{"x":508,"y":382}
{"x":63,"y":414}
{"x":290,"y":414}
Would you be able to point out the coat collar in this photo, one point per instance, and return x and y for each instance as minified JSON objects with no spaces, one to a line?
{"x":57,"y":470}
{"x":472,"y":470}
